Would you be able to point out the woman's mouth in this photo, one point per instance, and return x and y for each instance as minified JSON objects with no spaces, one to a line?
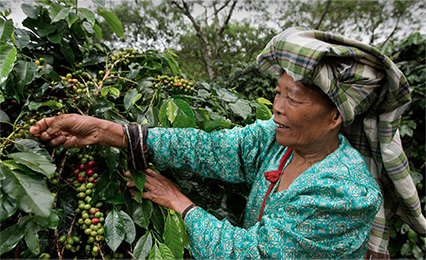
{"x":282,"y":126}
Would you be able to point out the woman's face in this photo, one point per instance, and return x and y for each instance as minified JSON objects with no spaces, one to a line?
{"x":304,"y":119}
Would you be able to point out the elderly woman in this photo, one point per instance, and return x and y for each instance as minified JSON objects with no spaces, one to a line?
{"x":313,"y":195}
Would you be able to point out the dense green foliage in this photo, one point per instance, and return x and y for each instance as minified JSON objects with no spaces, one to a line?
{"x":59,"y":64}
{"x":409,"y":55}
{"x":75,"y":203}
{"x":205,"y":40}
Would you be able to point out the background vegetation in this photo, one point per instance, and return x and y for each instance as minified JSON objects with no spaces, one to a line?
{"x":118,"y":65}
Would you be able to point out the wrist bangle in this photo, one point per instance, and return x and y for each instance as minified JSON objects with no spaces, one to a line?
{"x":187,"y":210}
{"x":135,"y":137}
{"x":124,"y":139}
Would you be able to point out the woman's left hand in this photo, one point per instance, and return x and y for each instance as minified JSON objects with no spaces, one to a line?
{"x":162,"y":191}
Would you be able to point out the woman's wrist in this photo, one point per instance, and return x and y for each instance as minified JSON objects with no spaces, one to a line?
{"x":179,"y":205}
{"x":110,"y":134}
{"x":188,"y":209}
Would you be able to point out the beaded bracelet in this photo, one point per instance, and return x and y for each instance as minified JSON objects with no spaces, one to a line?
{"x":188,"y":210}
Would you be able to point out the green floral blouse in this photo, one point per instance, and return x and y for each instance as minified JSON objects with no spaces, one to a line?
{"x":327,"y":212}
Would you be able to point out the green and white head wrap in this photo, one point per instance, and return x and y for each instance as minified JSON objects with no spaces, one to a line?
{"x":371,"y":94}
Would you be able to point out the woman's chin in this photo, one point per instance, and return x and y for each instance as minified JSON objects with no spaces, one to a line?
{"x":283,"y":141}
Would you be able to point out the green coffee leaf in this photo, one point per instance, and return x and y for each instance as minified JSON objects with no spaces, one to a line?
{"x":142,"y":213}
{"x":104,"y":91}
{"x":31,"y":146}
{"x":106,"y":187}
{"x":88,"y":15}
{"x":264,"y":101}
{"x":131,"y":97}
{"x":6,"y":30}
{"x":25,"y":72}
{"x":50,"y":103}
{"x":182,"y":228}
{"x":7,"y":59}
{"x":98,"y":31}
{"x":171,"y":110}
{"x":55,"y":38}
{"x":31,"y":237}
{"x":417,"y":252}
{"x":117,"y":199}
{"x":172,"y":238}
{"x":162,"y":115}
{"x":51,"y":221}
{"x":58,"y":12}
{"x":71,"y":19}
{"x":241,"y":108}
{"x":161,"y":251}
{"x":35,"y":162}
{"x":111,"y":155}
{"x":182,"y":121}
{"x":143,"y":246}
{"x":30,"y":10}
{"x":213,"y":125}
{"x":29,"y":191}
{"x":263,"y":112}
{"x":88,"y":27}
{"x":155,"y":253}
{"x":139,"y":178}
{"x":14,"y":166}
{"x":165,"y":252}
{"x":129,"y":226}
{"x":10,"y":237}
{"x":114,"y":229}
{"x":8,"y":207}
{"x":157,"y":218}
{"x":4,"y":118}
{"x":406,"y":249}
{"x":45,"y":29}
{"x":113,"y":22}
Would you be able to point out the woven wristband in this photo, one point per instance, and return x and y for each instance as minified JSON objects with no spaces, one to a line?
{"x":137,"y":151}
{"x":188,"y":210}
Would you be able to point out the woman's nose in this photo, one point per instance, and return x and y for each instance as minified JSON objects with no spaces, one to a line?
{"x":278,"y":107}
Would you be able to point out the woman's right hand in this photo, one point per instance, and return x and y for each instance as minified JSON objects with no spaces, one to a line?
{"x":72,"y":130}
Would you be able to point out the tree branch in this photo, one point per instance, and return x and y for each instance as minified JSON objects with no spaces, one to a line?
{"x":225,"y":23}
{"x":391,"y":34}
{"x":185,"y":10}
{"x":327,"y":6}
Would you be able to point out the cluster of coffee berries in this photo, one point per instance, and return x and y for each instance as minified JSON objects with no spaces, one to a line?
{"x":39,"y":63}
{"x":175,"y":84}
{"x":124,"y":56}
{"x":90,"y":217}
{"x":74,"y":84}
{"x":72,"y":243}
{"x":24,"y":128}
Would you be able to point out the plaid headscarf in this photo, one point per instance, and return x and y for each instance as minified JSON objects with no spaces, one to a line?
{"x":371,"y":94}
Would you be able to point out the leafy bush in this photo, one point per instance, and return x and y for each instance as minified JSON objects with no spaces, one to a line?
{"x":74,"y":203}
{"x":409,"y":55}
{"x":250,"y":81}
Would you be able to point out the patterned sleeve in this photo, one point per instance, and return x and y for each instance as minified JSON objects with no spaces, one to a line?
{"x":321,"y":222}
{"x":232,"y":155}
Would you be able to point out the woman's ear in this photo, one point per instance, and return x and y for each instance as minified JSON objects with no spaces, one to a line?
{"x":337,"y":119}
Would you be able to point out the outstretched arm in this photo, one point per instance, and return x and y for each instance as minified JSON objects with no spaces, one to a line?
{"x":72,"y":130}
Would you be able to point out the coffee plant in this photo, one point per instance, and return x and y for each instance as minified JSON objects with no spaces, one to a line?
{"x":409,"y":56}
{"x":249,"y":80}
{"x":58,"y":203}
